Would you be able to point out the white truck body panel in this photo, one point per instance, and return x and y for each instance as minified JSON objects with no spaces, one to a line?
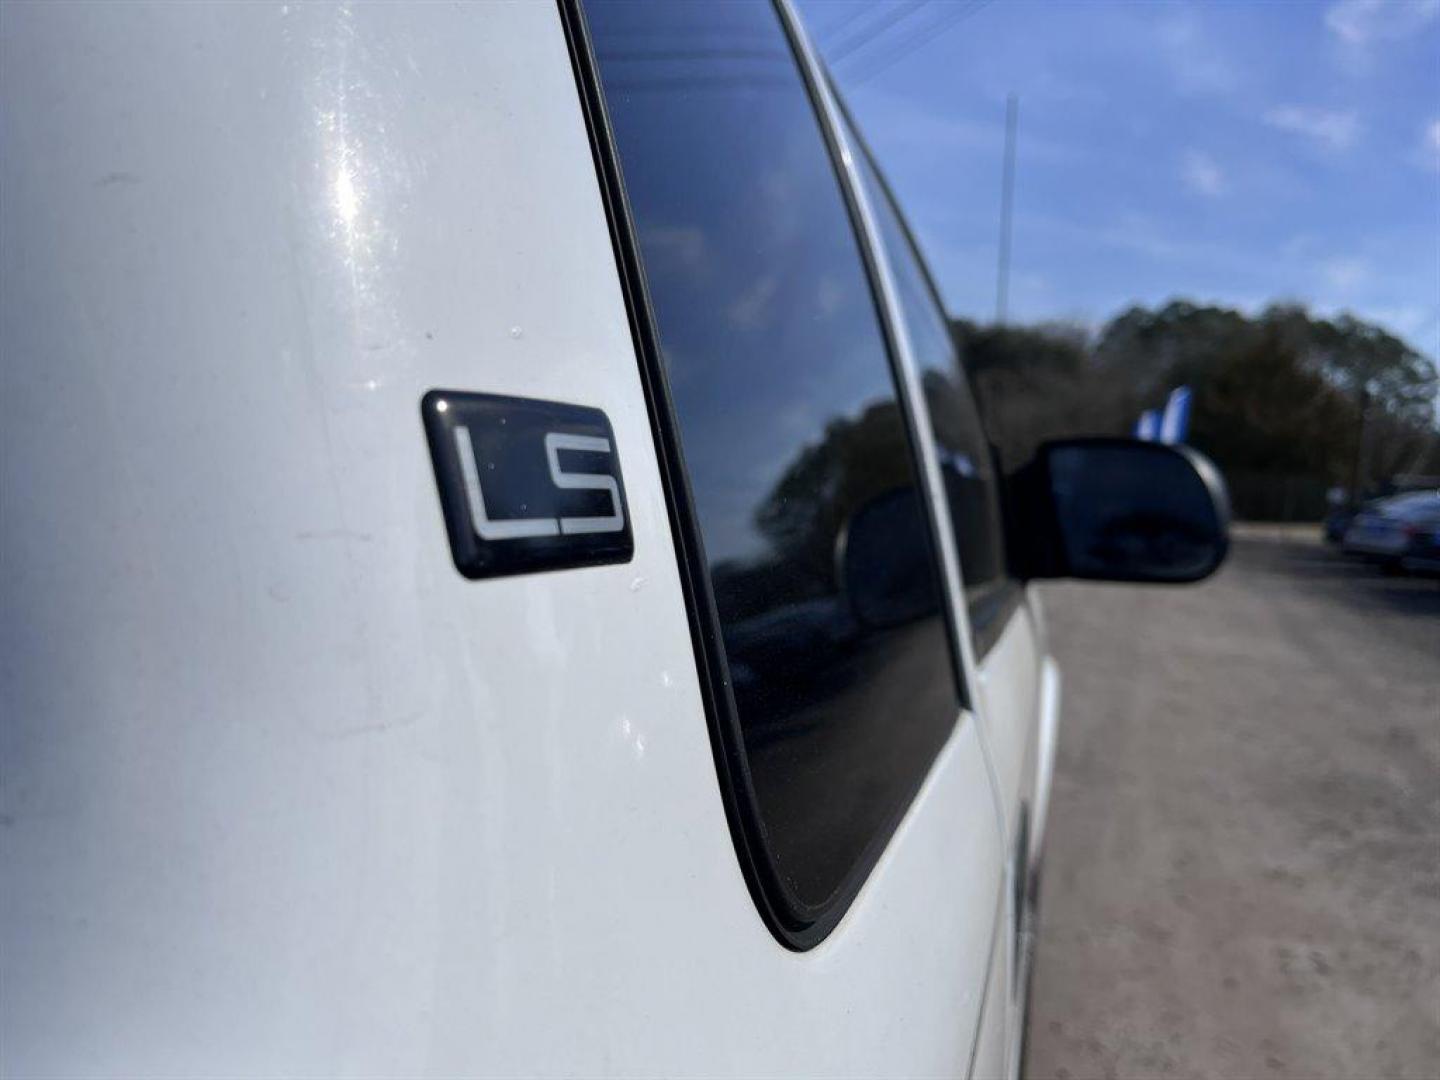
{"x":282,"y":793}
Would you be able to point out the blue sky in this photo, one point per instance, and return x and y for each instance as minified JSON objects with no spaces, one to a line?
{"x":1234,"y":152}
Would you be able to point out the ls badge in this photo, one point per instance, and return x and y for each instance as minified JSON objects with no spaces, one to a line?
{"x":526,"y":485}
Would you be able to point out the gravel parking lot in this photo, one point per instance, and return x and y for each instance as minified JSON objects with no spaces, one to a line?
{"x":1243,"y":867}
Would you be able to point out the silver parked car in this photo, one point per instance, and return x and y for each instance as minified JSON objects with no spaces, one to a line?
{"x":1388,"y":529}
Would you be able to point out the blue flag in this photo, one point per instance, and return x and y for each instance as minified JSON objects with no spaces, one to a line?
{"x":1175,"y":424}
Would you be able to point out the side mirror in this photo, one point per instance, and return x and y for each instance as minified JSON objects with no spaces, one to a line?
{"x":1119,"y":510}
{"x":884,"y":562}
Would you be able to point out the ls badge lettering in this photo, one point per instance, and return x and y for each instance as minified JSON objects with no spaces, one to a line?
{"x":526,"y":485}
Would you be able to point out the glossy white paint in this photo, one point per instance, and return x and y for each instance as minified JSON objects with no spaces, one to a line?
{"x":1046,"y":739}
{"x":993,"y":1046}
{"x":1009,"y":686}
{"x":998,"y":1020}
{"x":282,"y":793}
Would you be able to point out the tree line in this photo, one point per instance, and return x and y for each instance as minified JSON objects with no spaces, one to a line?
{"x":1287,"y":404}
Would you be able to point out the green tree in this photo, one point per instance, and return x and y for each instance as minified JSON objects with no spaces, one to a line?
{"x":1285,"y":394}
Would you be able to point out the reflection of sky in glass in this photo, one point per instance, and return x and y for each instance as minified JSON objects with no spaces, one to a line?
{"x":750,"y":256}
{"x":1236,"y":153}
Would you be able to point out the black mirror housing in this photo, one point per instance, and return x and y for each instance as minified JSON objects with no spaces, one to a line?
{"x":884,"y":562}
{"x":1112,"y":509}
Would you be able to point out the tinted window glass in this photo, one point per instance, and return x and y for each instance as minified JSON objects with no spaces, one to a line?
{"x":965,"y":458}
{"x":802,"y":474}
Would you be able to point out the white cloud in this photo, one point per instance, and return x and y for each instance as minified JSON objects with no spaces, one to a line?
{"x":1202,"y":175}
{"x":682,"y":246}
{"x":1430,"y":145}
{"x":1197,"y":66}
{"x":753,"y":307}
{"x":1344,"y":273}
{"x":1361,"y":22}
{"x":1333,"y":129}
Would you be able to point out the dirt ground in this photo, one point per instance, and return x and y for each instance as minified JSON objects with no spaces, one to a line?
{"x":1242,"y":875}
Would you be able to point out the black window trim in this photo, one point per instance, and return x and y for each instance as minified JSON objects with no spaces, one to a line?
{"x":991,"y":612}
{"x":797,"y":930}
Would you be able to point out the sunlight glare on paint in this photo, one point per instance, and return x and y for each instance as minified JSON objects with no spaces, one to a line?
{"x":347,"y":198}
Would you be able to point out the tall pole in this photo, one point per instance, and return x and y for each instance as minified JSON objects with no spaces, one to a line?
{"x":1007,"y":210}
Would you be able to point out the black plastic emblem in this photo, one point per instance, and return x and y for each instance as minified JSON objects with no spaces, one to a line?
{"x":526,"y":485}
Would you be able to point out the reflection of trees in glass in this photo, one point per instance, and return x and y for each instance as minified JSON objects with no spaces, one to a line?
{"x":953,"y":423}
{"x":968,"y":473}
{"x":856,"y":460}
